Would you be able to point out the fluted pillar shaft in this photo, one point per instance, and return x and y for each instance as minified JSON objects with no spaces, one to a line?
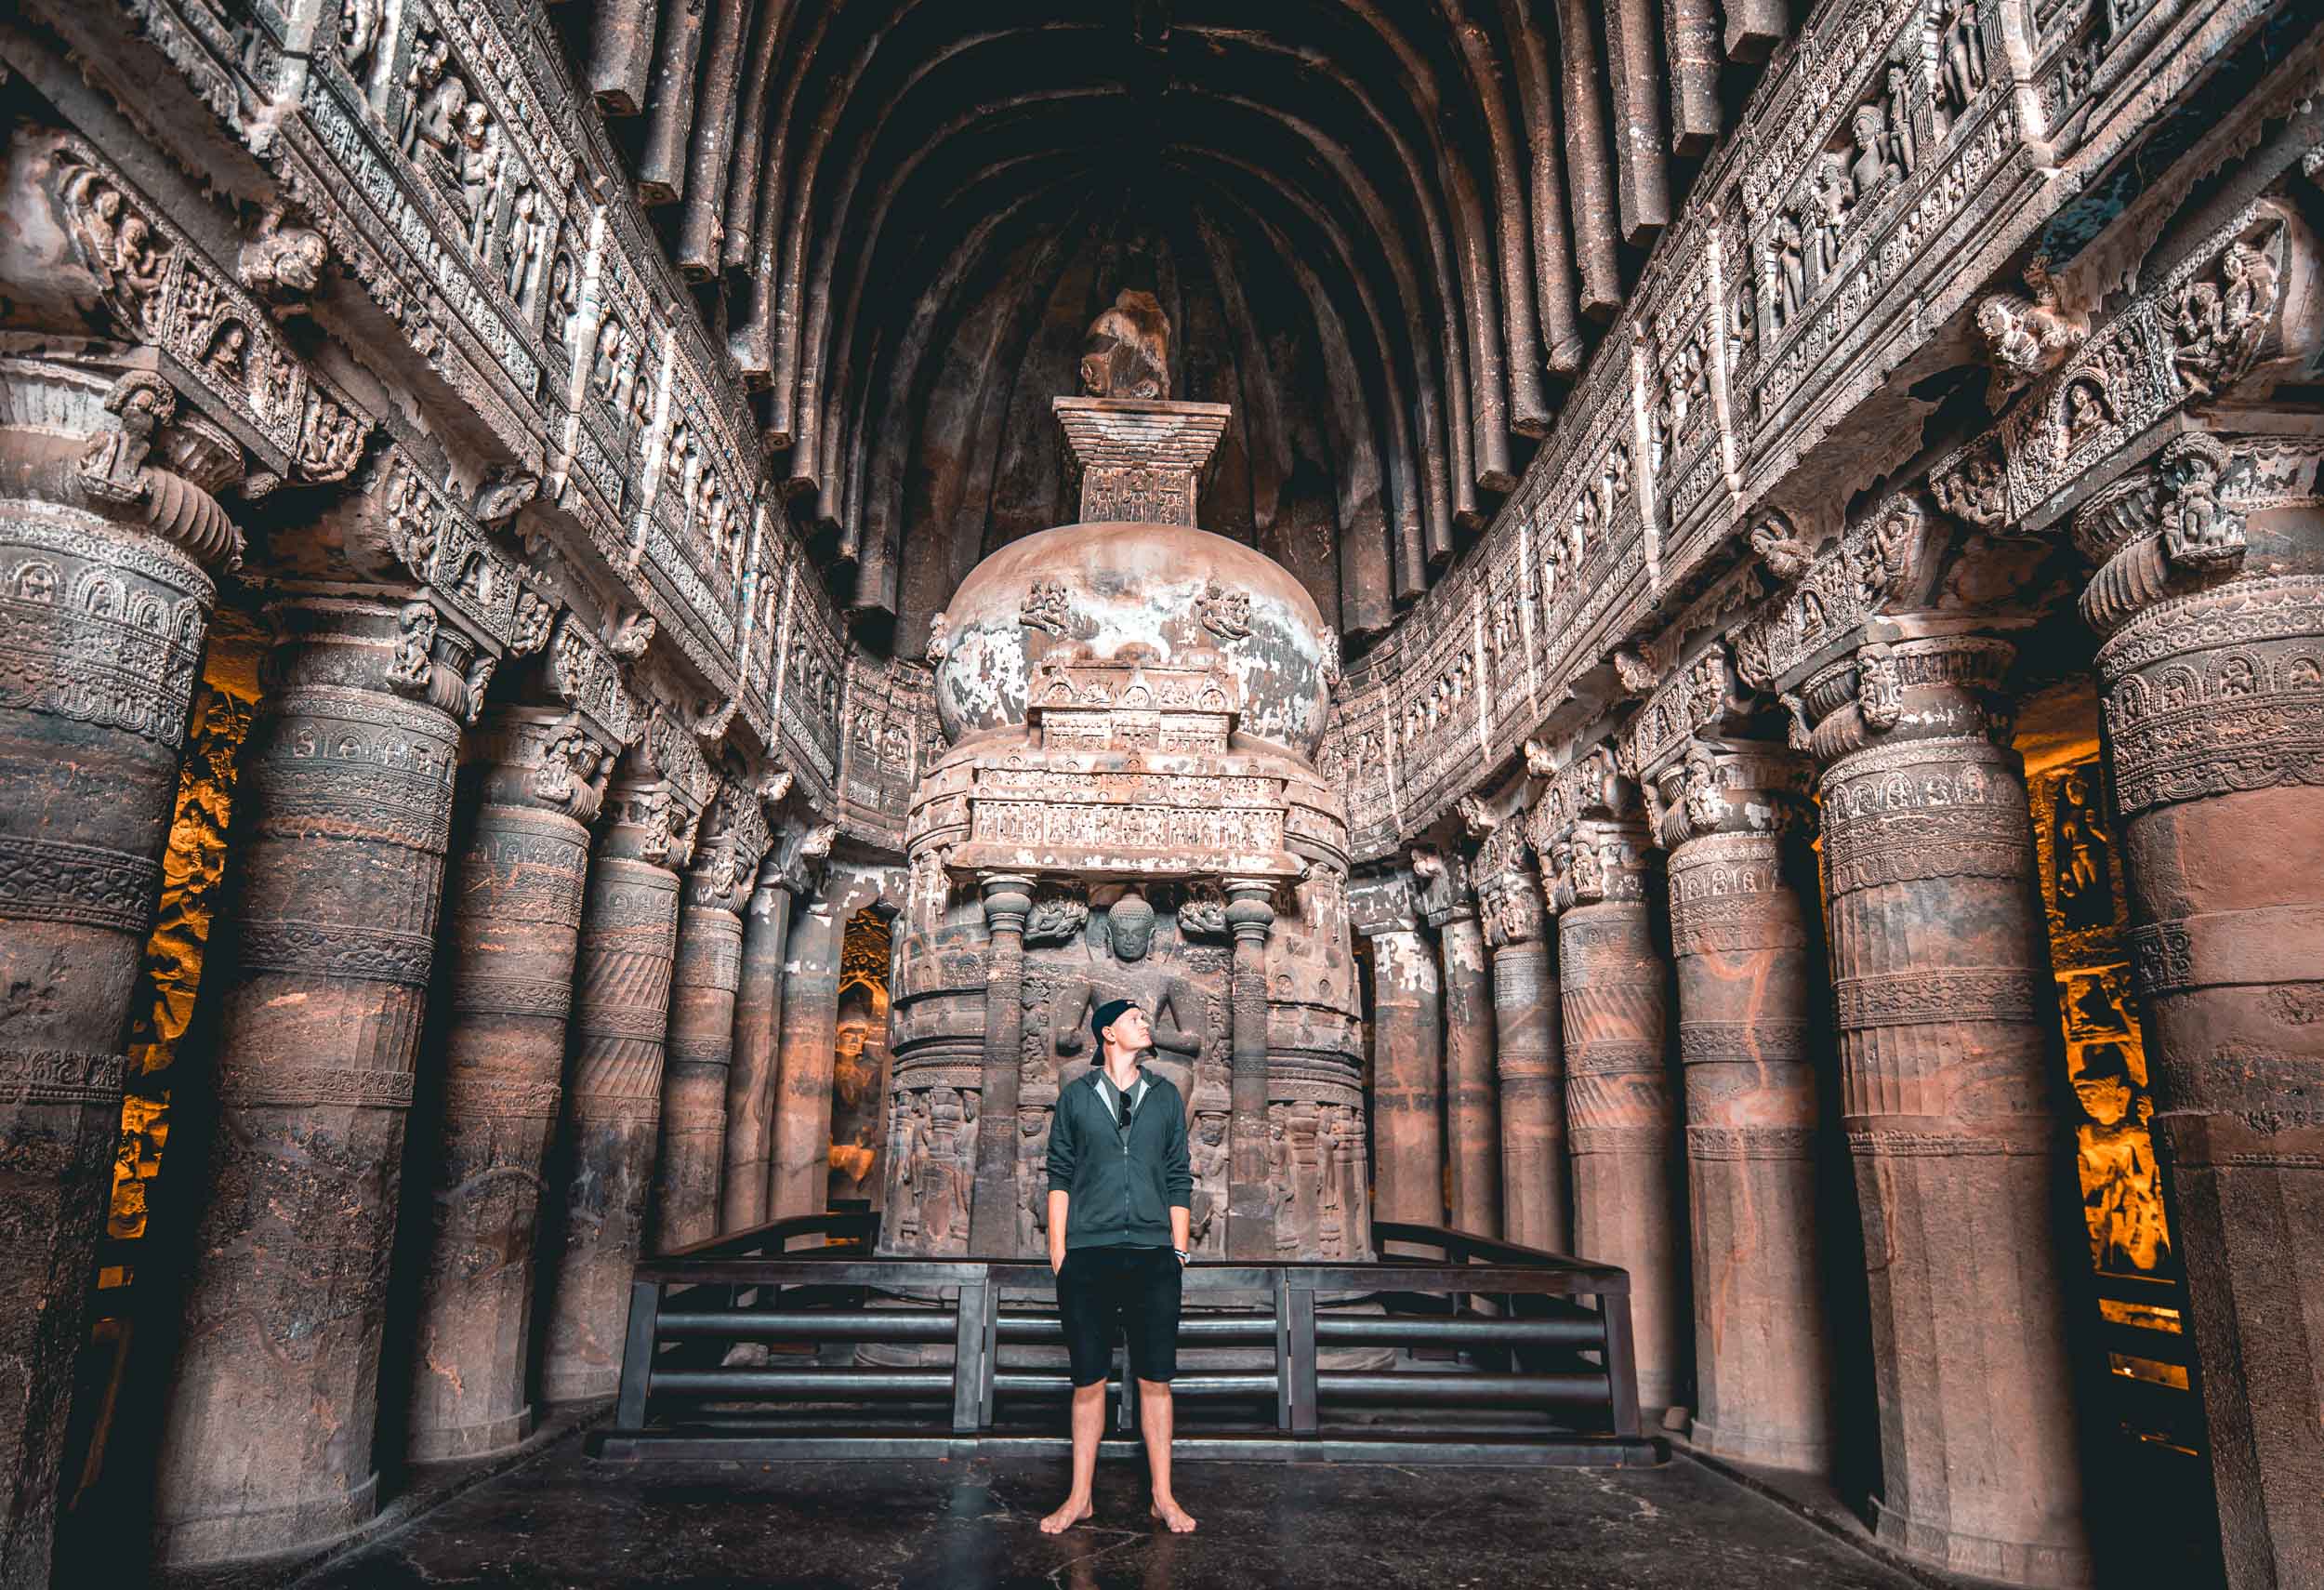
{"x":1741,"y":889}
{"x":105,"y":620}
{"x":1530,"y":1051}
{"x":993,"y":1214}
{"x":344,"y":811}
{"x":705,"y":972}
{"x":1621,"y":1104}
{"x":1407,"y":1079}
{"x":514,"y":924}
{"x":1250,"y":1231}
{"x":2214,"y":672}
{"x":810,"y":1021}
{"x":1940,"y":975}
{"x":750,"y":1088}
{"x":614,"y":1098}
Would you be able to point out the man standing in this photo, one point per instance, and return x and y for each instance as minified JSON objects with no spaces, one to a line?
{"x":1119,"y":1193}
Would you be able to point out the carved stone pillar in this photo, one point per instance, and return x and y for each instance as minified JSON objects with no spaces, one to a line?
{"x":993,"y":1212}
{"x":2211,"y":594}
{"x":343,"y":813}
{"x":106,"y":603}
{"x":1471,"y":1109}
{"x":699,"y":1053}
{"x":613,"y":1100}
{"x":1407,"y":1056}
{"x":750,"y":1091}
{"x":1742,"y":888}
{"x":515,"y":920}
{"x":810,"y":1019}
{"x":1621,"y":1105}
{"x":1940,"y":975}
{"x":1250,"y":1230}
{"x":1535,"y":1209}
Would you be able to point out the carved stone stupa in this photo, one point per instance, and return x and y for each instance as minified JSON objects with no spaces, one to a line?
{"x":1129,"y":808}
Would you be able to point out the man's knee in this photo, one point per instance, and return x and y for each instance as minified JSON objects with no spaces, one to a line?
{"x":1153,"y":1387}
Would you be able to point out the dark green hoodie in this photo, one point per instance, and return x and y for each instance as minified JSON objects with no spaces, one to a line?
{"x":1124,"y":1185}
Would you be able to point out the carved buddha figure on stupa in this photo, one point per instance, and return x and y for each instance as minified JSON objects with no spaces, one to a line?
{"x":1127,"y":351}
{"x":1119,"y":968}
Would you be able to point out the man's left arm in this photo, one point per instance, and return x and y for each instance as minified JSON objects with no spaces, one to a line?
{"x":1178,"y":1177}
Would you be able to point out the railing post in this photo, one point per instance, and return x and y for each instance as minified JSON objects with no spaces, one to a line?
{"x":972,"y":1369}
{"x":1621,"y":1361}
{"x":1299,"y":1332}
{"x":637,"y":1355}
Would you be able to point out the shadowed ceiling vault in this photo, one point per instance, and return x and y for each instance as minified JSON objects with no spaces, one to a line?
{"x":1384,"y":231}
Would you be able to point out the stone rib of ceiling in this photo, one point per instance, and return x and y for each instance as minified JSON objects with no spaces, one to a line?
{"x":1384,"y":231}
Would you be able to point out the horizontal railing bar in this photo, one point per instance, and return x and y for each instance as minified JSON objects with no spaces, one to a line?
{"x":832,"y":1325}
{"x":817,"y":1382}
{"x":1019,"y":1328}
{"x":1023,"y":1383}
{"x":1565,"y":1391}
{"x":1586,"y":1331}
{"x":1200,"y":1279}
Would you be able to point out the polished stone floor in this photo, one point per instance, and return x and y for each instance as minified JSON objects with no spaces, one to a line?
{"x":563,"y":1522}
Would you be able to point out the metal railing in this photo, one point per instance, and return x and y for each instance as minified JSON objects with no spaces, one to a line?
{"x":1501,"y":1354}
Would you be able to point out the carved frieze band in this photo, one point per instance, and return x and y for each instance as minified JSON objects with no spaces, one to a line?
{"x":84,"y":632}
{"x":61,"y":1076}
{"x":336,"y":951}
{"x":1925,"y":809}
{"x":1925,"y":997}
{"x":274,"y":1083}
{"x":1741,"y":1042}
{"x":481,"y":994}
{"x":56,"y":881}
{"x":1717,"y":1144}
{"x":480,"y":1094}
{"x":2218,"y":692}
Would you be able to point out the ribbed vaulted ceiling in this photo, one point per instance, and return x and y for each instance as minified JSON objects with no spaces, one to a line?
{"x":1385,"y":231}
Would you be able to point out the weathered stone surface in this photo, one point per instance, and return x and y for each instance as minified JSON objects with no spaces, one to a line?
{"x":105,"y":622}
{"x":1621,"y":1102}
{"x":801,"y":1159}
{"x":1749,"y":1003}
{"x":2214,"y":718}
{"x":622,"y":975}
{"x":346,"y":795}
{"x":1408,"y":1076}
{"x":1939,"y":979}
{"x":707,"y":970}
{"x":1472,"y":1147}
{"x":751,"y":1094}
{"x":1536,"y":1209}
{"x":512,"y":930}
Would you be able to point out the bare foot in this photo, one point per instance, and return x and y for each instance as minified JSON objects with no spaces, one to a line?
{"x":1181,"y":1521}
{"x":1066,"y":1518}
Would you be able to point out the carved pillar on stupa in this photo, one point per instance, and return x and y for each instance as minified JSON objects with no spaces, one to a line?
{"x":1471,"y":1093}
{"x":620,"y":1019}
{"x":345,"y":811}
{"x":111,"y":541}
{"x":2210,"y":595}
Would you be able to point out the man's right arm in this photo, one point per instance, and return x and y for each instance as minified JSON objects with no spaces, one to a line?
{"x":1058,"y":1200}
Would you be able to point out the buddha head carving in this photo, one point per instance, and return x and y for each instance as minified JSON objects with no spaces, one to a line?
{"x":1126,"y":352}
{"x":1129,"y":926}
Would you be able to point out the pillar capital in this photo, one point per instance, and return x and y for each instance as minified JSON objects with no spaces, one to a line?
{"x":1008,"y":899}
{"x":1731,"y":787}
{"x":1907,"y":679}
{"x":1513,"y":907}
{"x":1383,"y":902}
{"x":1441,"y":881}
{"x":1601,"y":860}
{"x":1251,"y":907}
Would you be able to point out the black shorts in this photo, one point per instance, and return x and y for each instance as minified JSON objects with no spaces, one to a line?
{"x":1136,"y":1289}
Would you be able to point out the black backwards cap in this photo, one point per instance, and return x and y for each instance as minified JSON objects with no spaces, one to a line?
{"x":1106,"y":1015}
